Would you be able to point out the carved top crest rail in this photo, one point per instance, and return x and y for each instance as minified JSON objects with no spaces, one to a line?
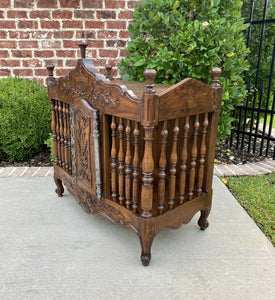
{"x":128,"y":99}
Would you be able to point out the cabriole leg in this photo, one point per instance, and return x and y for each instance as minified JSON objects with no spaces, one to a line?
{"x":146,"y":243}
{"x":203,"y":223}
{"x":60,"y":188}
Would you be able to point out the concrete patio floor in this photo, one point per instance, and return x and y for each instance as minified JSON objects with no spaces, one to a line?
{"x":51,"y":249}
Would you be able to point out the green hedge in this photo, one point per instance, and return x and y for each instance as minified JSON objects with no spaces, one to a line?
{"x":24,"y":118}
{"x":183,"y":38}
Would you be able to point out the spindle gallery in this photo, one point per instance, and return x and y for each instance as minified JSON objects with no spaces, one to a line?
{"x":140,"y":155}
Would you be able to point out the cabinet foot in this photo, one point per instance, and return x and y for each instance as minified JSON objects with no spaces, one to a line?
{"x":145,"y":260}
{"x":60,"y":188}
{"x":203,"y":222}
{"x":146,"y":243}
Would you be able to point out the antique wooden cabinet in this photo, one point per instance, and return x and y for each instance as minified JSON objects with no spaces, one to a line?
{"x":140,"y":155}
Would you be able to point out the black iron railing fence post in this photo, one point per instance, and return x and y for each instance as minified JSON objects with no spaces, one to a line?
{"x":271,"y":80}
{"x":258,"y":104}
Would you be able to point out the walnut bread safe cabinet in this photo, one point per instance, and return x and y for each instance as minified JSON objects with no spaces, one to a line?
{"x":140,"y":155}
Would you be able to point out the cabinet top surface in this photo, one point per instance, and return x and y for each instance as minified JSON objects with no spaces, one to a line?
{"x":139,"y":87}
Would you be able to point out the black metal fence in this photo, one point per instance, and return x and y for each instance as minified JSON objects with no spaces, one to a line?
{"x":254,"y":128}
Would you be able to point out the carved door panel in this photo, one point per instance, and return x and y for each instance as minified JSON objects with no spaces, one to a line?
{"x":84,"y":146}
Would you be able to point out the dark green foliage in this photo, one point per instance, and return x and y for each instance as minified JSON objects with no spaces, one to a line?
{"x":49,"y":144}
{"x":24,"y":118}
{"x":182,"y":38}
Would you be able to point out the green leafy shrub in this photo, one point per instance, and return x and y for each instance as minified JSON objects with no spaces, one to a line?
{"x":49,"y":144}
{"x":24,"y":118}
{"x":183,"y":38}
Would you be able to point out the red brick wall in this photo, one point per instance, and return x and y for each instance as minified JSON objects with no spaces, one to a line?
{"x":34,"y":33}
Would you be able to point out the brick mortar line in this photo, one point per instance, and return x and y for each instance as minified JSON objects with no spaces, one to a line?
{"x":241,"y":169}
{"x":265,"y":170}
{"x":34,"y":7}
{"x":266,"y":164}
{"x":217,"y":168}
{"x":48,"y":172}
{"x":12,"y":171}
{"x":38,"y":22}
{"x":228,"y":168}
{"x":108,"y":15}
{"x":37,"y":170}
{"x":256,"y":172}
{"x":26,"y":168}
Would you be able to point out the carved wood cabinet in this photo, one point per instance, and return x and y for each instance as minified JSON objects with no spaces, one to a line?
{"x":140,"y":155}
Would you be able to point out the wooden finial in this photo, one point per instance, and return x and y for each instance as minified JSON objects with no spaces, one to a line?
{"x":82,"y":47}
{"x":150,"y":75}
{"x":109,"y":71}
{"x":216,"y":72}
{"x":50,"y":69}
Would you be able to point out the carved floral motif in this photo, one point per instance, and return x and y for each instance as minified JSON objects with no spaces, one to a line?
{"x":82,"y":146}
{"x":101,"y":97}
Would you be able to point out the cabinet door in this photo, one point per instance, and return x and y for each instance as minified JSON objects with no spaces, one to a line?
{"x":84,"y":166}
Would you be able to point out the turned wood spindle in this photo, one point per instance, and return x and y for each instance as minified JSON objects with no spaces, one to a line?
{"x":65,"y":162}
{"x":57,"y":158}
{"x":82,"y":47}
{"x":128,"y":168}
{"x":173,"y":163}
{"x":121,"y":163}
{"x":53,"y":127}
{"x":68,"y":134}
{"x":109,"y":72}
{"x":69,"y":139}
{"x":148,"y":123}
{"x":54,"y":108}
{"x":136,"y":171}
{"x":60,"y":110}
{"x":65,"y":142}
{"x":193,"y":158}
{"x":147,"y":171}
{"x":184,"y":155}
{"x":114,"y":160}
{"x":202,"y":154}
{"x":162,"y":167}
